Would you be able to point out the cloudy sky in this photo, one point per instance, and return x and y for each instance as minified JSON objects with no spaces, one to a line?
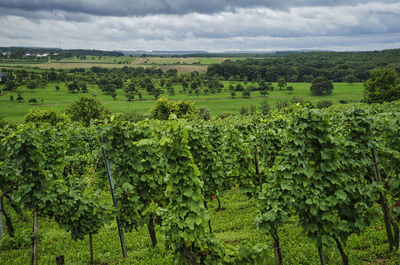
{"x":213,"y":25}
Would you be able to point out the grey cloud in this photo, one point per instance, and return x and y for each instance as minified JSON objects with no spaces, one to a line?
{"x":146,"y":7}
{"x":370,"y":25}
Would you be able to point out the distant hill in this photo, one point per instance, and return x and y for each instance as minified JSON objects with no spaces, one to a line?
{"x":160,"y":53}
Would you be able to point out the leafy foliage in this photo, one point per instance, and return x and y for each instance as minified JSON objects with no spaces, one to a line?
{"x":383,"y":85}
{"x":182,"y":109}
{"x":321,"y":86}
{"x":86,"y":108}
{"x":53,"y":117}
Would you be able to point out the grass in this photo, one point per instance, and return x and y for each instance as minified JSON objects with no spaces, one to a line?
{"x":182,"y":64}
{"x":49,"y":98}
{"x":234,"y":225}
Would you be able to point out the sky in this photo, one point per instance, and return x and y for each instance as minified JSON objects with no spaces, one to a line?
{"x":210,"y":25}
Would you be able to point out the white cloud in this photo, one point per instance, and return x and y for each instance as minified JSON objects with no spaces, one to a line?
{"x":344,"y":27}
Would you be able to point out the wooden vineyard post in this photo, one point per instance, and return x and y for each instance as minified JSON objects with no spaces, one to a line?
{"x":383,"y":201}
{"x":60,"y":260}
{"x":110,"y":180}
{"x":277,"y":248}
{"x":35,"y":251}
{"x":152,"y":232}
{"x":1,"y":224}
{"x":91,"y":248}
{"x":321,"y":254}
{"x":256,"y":163}
{"x":342,"y":253}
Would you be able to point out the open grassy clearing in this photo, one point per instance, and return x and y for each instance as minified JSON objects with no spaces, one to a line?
{"x":182,"y":64}
{"x":233,"y":225}
{"x":97,"y":59}
{"x":49,"y":98}
{"x":72,"y":65}
{"x":177,"y":61}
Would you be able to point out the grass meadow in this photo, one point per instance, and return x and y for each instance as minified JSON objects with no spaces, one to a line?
{"x":182,"y":64}
{"x":49,"y":98}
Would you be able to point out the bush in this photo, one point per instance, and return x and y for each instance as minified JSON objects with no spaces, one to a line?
{"x":282,"y":104}
{"x":52,"y":117}
{"x":132,"y":115}
{"x":324,"y":104}
{"x":182,"y":109}
{"x":86,"y":108}
{"x":244,"y":110}
{"x":383,"y":85}
{"x":224,"y":115}
{"x":33,"y":100}
{"x":204,"y":113}
{"x":20,"y":240}
{"x":321,"y":86}
{"x":265,"y":107}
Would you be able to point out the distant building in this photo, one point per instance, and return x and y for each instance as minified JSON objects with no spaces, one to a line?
{"x":7,"y":53}
{"x":45,"y":54}
{"x":2,"y":78}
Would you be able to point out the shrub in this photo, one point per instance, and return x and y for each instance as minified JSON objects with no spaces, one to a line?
{"x":324,"y":104}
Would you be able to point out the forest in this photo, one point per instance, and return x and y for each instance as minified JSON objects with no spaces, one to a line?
{"x":305,"y":66}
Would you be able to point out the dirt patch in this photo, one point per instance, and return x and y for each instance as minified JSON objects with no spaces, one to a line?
{"x":220,"y":60}
{"x":140,"y":61}
{"x":76,"y":65}
{"x":185,"y":68}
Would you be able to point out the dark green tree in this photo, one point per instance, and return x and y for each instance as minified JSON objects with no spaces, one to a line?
{"x":10,"y":85}
{"x":281,"y":83}
{"x":72,"y":87}
{"x":20,"y":98}
{"x":32,"y":85}
{"x":86,"y":108}
{"x":383,"y":85}
{"x":321,"y":86}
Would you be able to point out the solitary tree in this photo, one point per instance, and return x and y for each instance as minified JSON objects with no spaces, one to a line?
{"x":86,"y":108}
{"x":281,"y":83}
{"x":10,"y":85}
{"x":321,"y":85}
{"x":33,"y":100}
{"x":246,"y":93}
{"x":20,"y":98}
{"x":73,"y":87}
{"x":263,"y":92}
{"x":270,"y":86}
{"x":32,"y":85}
{"x":383,"y":85}
{"x":350,"y":79}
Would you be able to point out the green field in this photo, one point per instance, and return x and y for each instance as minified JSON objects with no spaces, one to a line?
{"x":49,"y":98}
{"x":182,"y":64}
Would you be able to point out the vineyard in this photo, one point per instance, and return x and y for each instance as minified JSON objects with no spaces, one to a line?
{"x":334,"y":170}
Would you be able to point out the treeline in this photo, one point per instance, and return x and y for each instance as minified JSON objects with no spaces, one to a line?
{"x":20,"y":52}
{"x":306,"y":66}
